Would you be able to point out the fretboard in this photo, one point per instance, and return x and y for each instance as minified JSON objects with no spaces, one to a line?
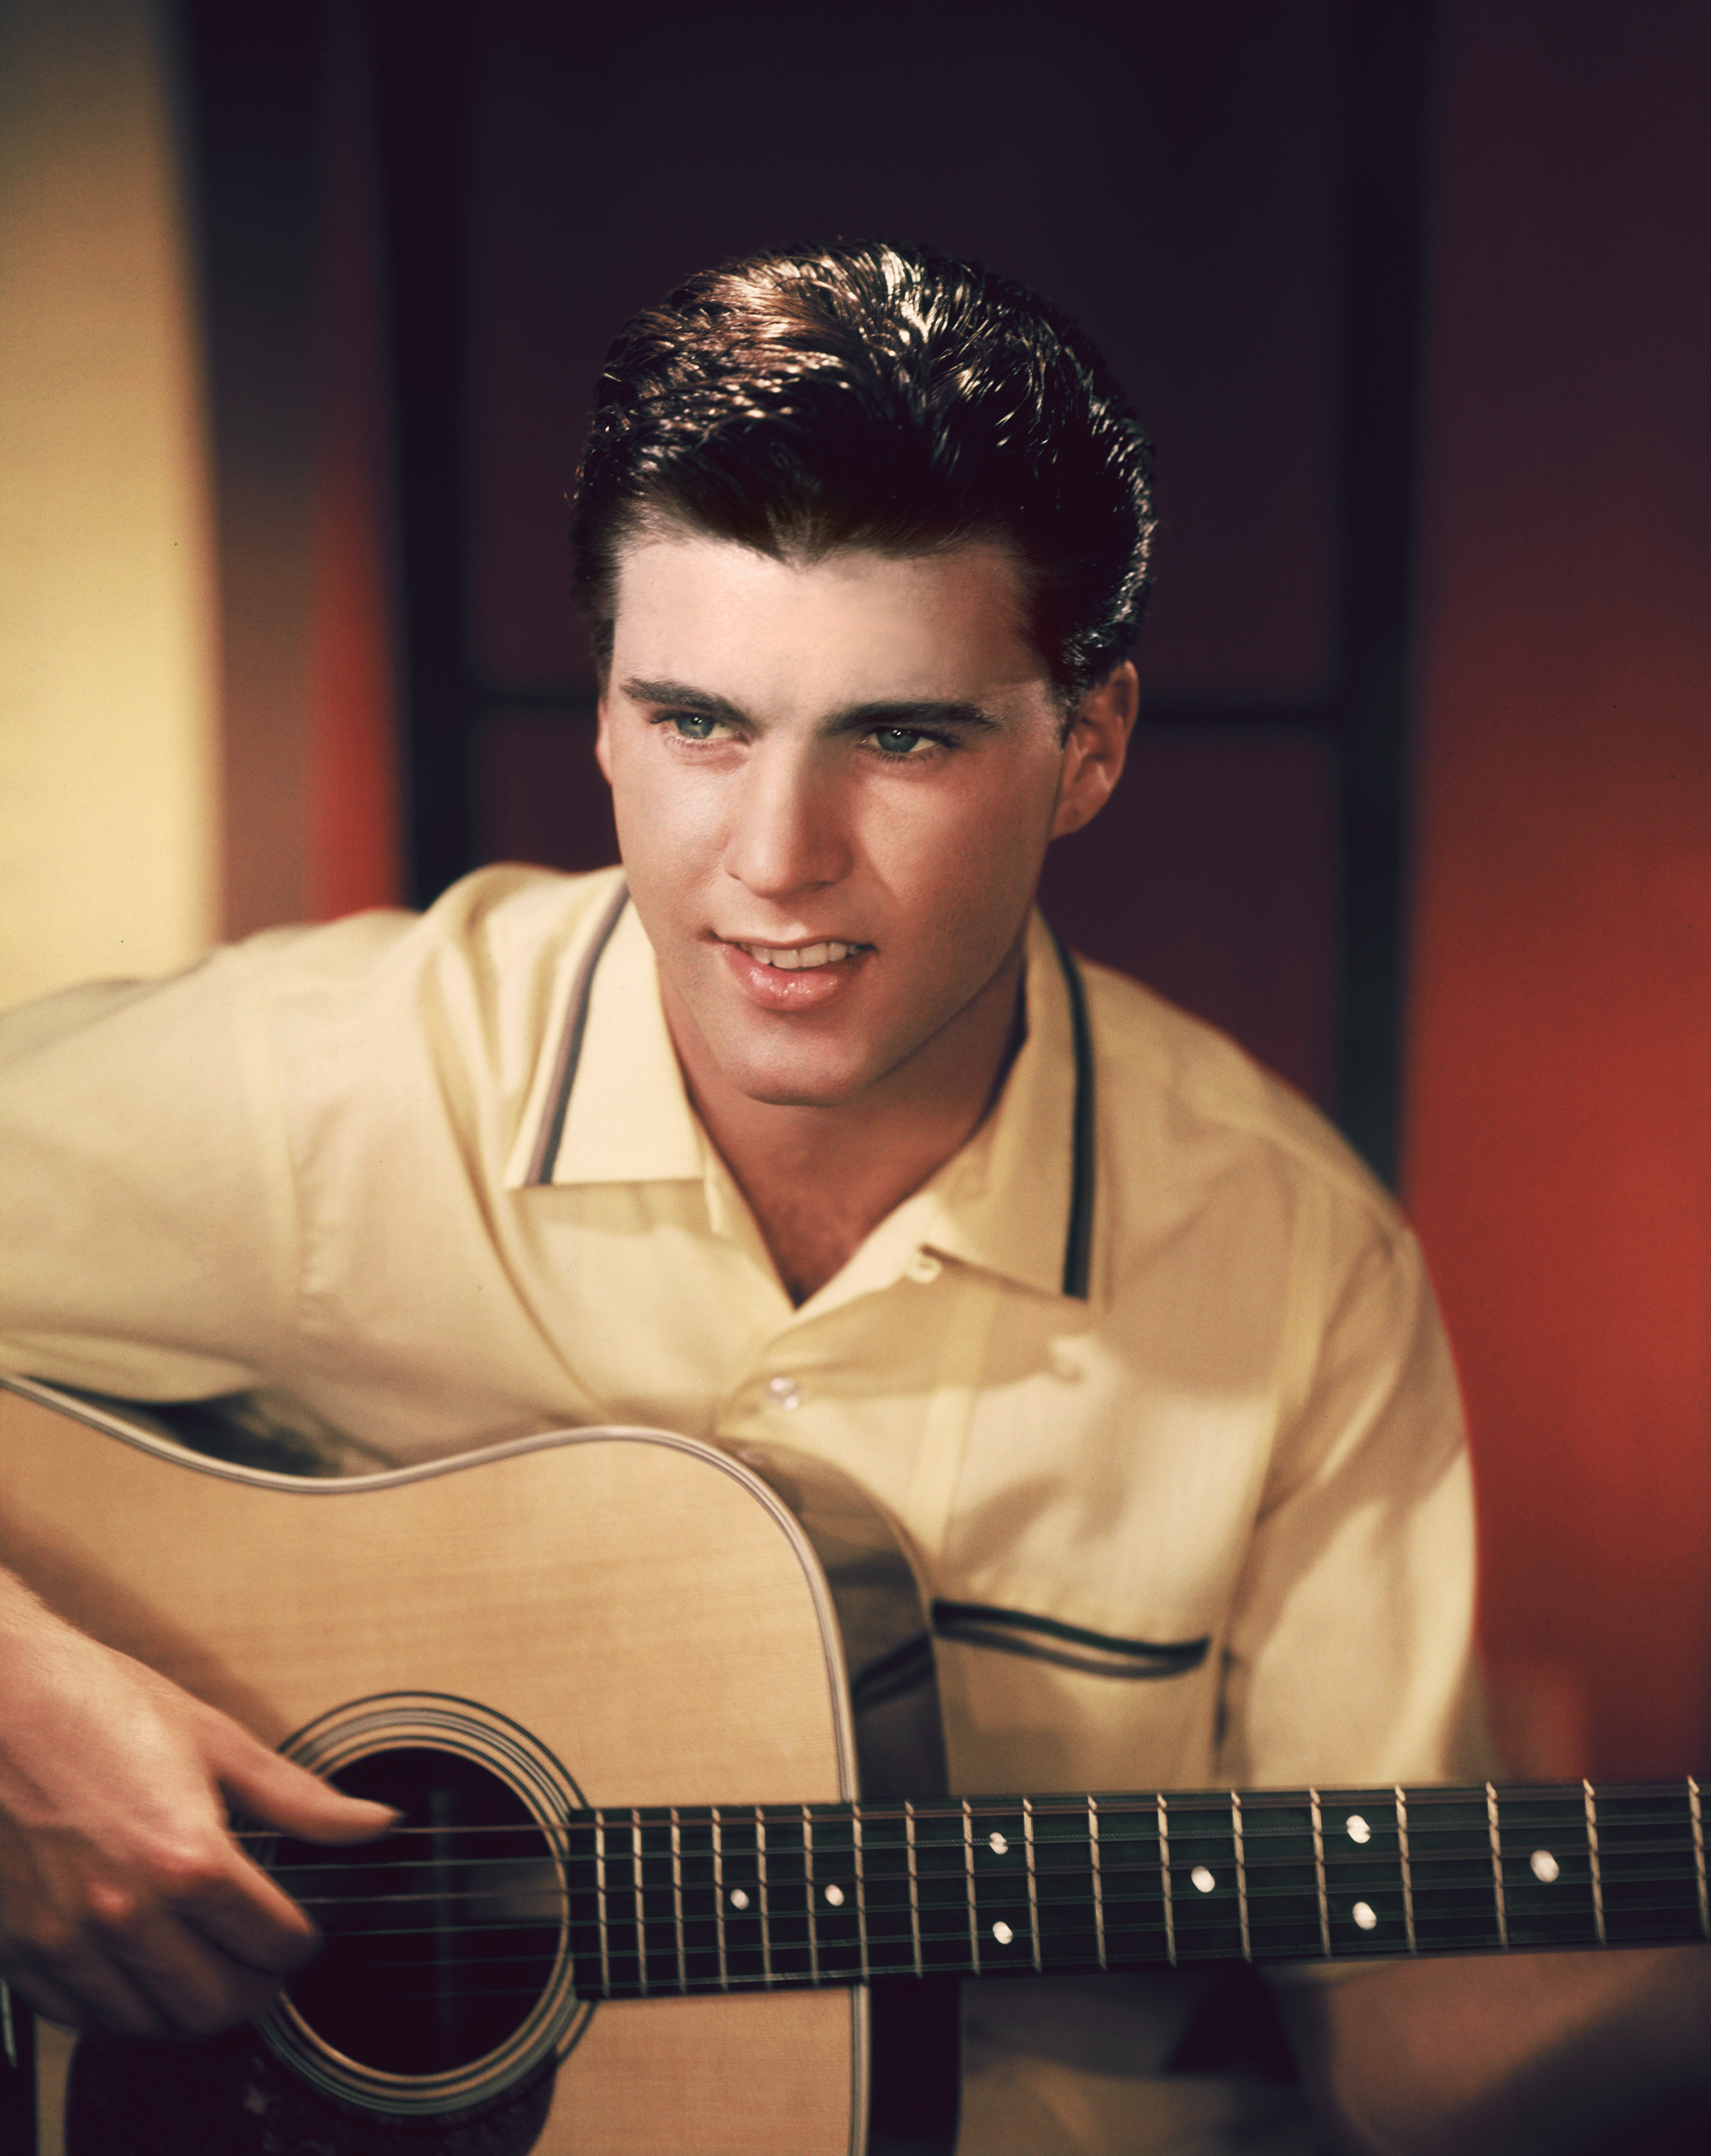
{"x":783,"y":1897}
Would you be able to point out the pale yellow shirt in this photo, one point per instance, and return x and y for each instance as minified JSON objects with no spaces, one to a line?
{"x":340,"y":1163}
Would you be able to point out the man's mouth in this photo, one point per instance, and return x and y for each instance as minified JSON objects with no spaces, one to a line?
{"x":802,"y":957}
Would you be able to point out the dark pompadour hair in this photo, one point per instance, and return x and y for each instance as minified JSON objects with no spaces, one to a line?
{"x":862,"y":394}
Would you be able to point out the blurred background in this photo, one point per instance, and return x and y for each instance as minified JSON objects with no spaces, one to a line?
{"x":300,"y":307}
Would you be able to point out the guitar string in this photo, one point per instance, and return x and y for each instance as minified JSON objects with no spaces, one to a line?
{"x":1278,"y":1903}
{"x":1645,"y":1856}
{"x":1214,"y":1805}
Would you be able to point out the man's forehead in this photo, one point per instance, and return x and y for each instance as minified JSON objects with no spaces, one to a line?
{"x":858,"y":623}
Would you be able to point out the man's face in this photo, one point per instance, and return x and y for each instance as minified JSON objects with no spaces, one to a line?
{"x":834,"y":784}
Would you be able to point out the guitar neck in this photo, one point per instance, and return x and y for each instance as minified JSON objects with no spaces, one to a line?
{"x":779,"y":1897}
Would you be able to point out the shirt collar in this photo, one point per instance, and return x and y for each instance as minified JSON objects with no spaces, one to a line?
{"x":613,"y":1109}
{"x":1015,"y":1200}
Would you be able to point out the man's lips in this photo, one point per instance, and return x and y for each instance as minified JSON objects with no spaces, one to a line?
{"x":793,"y":977}
{"x":797,"y":958}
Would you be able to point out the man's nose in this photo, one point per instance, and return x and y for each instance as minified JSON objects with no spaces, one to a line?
{"x":787,"y":833}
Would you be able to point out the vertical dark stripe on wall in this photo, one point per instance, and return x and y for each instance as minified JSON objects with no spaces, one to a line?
{"x":1388,"y":57}
{"x":422,"y":55}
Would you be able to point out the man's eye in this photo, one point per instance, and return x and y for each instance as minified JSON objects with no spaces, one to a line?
{"x":694,"y":725}
{"x":899,"y":741}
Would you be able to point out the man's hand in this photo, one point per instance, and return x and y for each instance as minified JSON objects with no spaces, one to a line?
{"x":125,"y":1903}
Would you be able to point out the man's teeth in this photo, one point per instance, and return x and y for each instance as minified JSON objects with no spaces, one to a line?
{"x":797,"y":961}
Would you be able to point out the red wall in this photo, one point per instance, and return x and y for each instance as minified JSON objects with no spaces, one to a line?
{"x":1558,"y":1133}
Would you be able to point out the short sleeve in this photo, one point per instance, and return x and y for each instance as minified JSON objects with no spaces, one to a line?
{"x":147,"y":1224}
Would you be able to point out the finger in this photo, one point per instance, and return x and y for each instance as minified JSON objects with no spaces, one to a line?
{"x":42,"y":1997}
{"x":250,"y":1918}
{"x":92,"y":1991}
{"x":283,"y":1795}
{"x":186,"y":1979}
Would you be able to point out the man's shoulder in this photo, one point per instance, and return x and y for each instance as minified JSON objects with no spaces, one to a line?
{"x":1179,"y":1098}
{"x":492,"y":947}
{"x":469,"y":989}
{"x":503,"y":918}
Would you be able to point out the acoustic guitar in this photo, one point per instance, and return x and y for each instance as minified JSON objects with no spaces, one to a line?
{"x":677,"y":1872}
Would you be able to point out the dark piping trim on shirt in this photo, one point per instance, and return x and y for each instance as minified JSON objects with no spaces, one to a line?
{"x":570,"y":1054}
{"x":1071,"y":1646}
{"x":1078,"y":1241}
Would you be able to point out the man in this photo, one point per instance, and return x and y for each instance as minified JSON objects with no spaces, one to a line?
{"x":803,"y":1129}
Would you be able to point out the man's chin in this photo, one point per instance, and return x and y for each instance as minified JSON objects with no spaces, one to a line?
{"x":769,"y":1087}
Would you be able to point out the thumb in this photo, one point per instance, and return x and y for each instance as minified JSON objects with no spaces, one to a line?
{"x":281,"y":1795}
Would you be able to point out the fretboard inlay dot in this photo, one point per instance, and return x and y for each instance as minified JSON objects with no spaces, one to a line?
{"x":834,"y":1895}
{"x":1203,"y":1879}
{"x":1358,"y":1830}
{"x":1365,"y":1915}
{"x":1002,"y":1932}
{"x":996,"y":1844}
{"x":739,"y":1899}
{"x":1546,"y":1866}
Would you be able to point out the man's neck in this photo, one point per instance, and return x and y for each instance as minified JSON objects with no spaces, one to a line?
{"x":819,"y":1180}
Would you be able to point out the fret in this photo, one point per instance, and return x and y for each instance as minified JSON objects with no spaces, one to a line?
{"x":600,"y":1902}
{"x":1235,"y":1837}
{"x":1699,"y":1854}
{"x":786,"y":1894}
{"x":1324,"y":1904}
{"x":762,"y":1894}
{"x":1203,"y":1904}
{"x":1648,"y":1864}
{"x":949,"y":1934}
{"x":1547,"y":1867}
{"x":1407,"y":1874}
{"x":718,"y":1825}
{"x":748,"y":1934}
{"x":914,"y":1889}
{"x":861,"y":1886}
{"x":704,"y":1965}
{"x":1496,"y":1839}
{"x":1045,"y":1873}
{"x":1278,"y":1878}
{"x":677,"y":1900}
{"x":1033,"y":1883}
{"x":1165,"y":1875}
{"x":579,"y":1883}
{"x":890,"y":1890}
{"x":1449,"y":1835}
{"x":1004,"y":1902}
{"x":1592,"y":1802}
{"x":813,"y":1898}
{"x":639,"y":1892}
{"x":1133,"y":1885}
{"x":831,"y":1876}
{"x":1092,"y":1845}
{"x":973,"y":1913}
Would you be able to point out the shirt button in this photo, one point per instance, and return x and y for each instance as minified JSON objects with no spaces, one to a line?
{"x":786,"y":1391}
{"x":925,"y":1266}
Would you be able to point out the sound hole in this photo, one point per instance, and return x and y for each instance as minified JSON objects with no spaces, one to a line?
{"x":440,"y":1938}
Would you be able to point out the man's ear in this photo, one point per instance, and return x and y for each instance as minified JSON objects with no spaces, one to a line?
{"x":1094,"y":754}
{"x":603,"y":742}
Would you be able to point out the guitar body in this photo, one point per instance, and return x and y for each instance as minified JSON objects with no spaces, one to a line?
{"x":604,"y":1617}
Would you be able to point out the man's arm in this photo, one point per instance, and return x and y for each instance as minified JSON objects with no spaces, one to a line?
{"x":1505,"y":2055}
{"x":125,"y":1902}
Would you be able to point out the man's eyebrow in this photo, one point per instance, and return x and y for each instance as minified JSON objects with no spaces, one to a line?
{"x":908,"y":718}
{"x":902,"y":716}
{"x":681,"y":698}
